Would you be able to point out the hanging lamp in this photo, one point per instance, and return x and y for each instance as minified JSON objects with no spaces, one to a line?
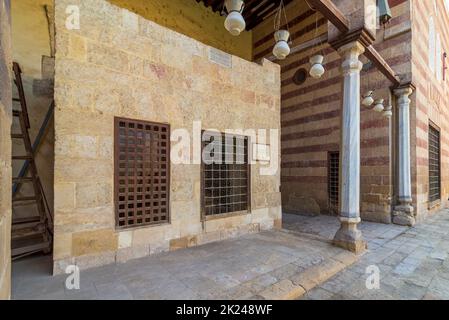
{"x":316,"y":61}
{"x":379,"y":105}
{"x":368,"y":96}
{"x":235,"y":23}
{"x":368,"y":99}
{"x":282,"y":48}
{"x":388,"y":111}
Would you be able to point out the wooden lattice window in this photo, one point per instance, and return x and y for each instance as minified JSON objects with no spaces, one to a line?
{"x":434,"y":165}
{"x":141,"y":172}
{"x":332,"y":181}
{"x":226,"y":177}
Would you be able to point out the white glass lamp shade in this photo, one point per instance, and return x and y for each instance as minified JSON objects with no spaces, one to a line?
{"x":317,"y":69}
{"x":234,"y":22}
{"x":379,"y":105}
{"x":281,"y":50}
{"x":368,"y":99}
{"x":388,"y":113}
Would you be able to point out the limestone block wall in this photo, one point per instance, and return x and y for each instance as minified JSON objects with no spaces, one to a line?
{"x":119,"y":64}
{"x":430,"y":102}
{"x":5,"y":150}
{"x":194,"y":20}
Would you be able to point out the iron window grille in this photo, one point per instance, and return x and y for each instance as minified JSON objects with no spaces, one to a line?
{"x":141,"y":172}
{"x":332,"y":181}
{"x":225,"y":175}
{"x":434,"y":165}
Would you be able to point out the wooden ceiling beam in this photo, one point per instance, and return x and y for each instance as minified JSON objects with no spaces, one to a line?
{"x":255,"y":18}
{"x":217,"y":5}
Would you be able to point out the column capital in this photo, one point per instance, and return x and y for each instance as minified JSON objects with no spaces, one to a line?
{"x":350,"y":54}
{"x":404,"y":90}
{"x":355,"y":48}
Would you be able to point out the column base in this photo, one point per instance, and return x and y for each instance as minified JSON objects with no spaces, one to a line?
{"x":350,"y":238}
{"x":403,"y":215}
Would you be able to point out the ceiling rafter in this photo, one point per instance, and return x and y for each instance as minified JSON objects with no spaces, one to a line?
{"x":255,"y":11}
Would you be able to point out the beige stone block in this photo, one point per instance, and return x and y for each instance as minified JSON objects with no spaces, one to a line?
{"x":5,"y":282}
{"x":277,"y":224}
{"x":148,"y":235}
{"x":184,"y":242}
{"x":208,"y":237}
{"x":64,"y":198}
{"x":125,"y":239}
{"x":96,"y":241}
{"x":187,"y":211}
{"x":173,"y":230}
{"x":130,"y":21}
{"x":112,"y":58}
{"x":274,"y":199}
{"x":191,"y":228}
{"x":90,"y":195}
{"x":105,"y":147}
{"x":77,"y":48}
{"x":258,"y":215}
{"x":159,"y":247}
{"x":275,"y":212}
{"x":259,"y":200}
{"x":84,"y":219}
{"x":76,"y":146}
{"x":62,"y":246}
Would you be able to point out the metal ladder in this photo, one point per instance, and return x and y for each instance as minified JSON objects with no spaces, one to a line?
{"x":35,"y":233}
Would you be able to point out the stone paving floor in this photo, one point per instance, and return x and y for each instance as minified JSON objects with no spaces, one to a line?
{"x":273,"y":264}
{"x":324,"y":228}
{"x":413,"y":264}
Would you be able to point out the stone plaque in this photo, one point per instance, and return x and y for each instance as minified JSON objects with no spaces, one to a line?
{"x":219,"y":57}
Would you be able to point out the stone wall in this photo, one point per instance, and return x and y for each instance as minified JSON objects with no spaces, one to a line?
{"x":5,"y":150}
{"x":119,"y":64}
{"x":429,"y":103}
{"x":310,"y":114}
{"x":194,"y":20}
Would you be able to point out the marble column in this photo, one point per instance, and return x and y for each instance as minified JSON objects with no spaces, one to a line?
{"x":403,"y":213}
{"x":348,"y":236}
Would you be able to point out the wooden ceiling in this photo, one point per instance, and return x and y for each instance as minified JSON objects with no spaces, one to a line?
{"x":255,"y":11}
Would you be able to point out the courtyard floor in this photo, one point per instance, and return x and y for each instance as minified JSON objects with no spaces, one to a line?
{"x":297,"y":262}
{"x":268,"y":265}
{"x":413,"y":265}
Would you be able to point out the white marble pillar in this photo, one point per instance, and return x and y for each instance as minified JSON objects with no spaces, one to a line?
{"x":348,"y":236}
{"x":403,"y":213}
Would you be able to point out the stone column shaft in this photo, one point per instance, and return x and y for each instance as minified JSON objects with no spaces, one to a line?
{"x":403,"y":212}
{"x":349,"y":237}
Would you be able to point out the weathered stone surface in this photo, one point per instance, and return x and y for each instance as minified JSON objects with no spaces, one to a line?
{"x":116,"y":50}
{"x":90,"y":242}
{"x":258,"y":266}
{"x":5,"y":150}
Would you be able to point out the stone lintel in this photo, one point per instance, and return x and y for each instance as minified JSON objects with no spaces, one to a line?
{"x":361,"y":35}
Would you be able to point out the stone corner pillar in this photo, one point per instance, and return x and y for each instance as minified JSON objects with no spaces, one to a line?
{"x":348,"y":236}
{"x":403,"y":213}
